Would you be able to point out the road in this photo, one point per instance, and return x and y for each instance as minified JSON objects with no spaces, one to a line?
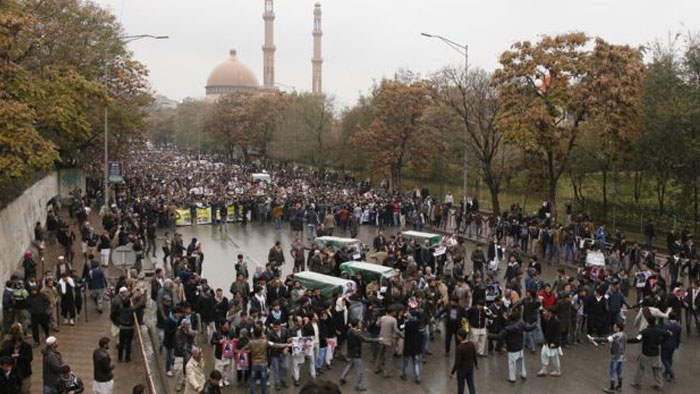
{"x":584,"y":366}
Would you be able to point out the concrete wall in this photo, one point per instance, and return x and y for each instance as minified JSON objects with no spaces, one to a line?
{"x":17,"y":223}
{"x":70,"y":179}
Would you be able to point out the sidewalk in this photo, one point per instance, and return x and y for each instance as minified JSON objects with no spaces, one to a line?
{"x":76,"y":343}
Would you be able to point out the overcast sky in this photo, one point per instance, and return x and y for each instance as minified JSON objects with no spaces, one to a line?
{"x":365,"y":40}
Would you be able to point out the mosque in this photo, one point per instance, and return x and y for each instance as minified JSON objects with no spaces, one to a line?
{"x":234,"y":76}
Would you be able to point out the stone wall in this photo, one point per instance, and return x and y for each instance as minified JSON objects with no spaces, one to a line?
{"x":17,"y":222}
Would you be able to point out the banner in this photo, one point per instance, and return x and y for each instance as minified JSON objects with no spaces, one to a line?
{"x":303,"y":346}
{"x":231,"y":213}
{"x":204,"y":215}
{"x":242,"y":361}
{"x":183,"y":217}
{"x":228,"y":349}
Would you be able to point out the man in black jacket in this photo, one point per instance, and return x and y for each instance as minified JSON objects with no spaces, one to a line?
{"x":476,"y":315}
{"x":102,"y":368}
{"x":551,"y":349}
{"x":354,"y":346}
{"x":513,"y":335}
{"x":279,"y":360}
{"x":10,"y":382}
{"x":222,"y":360}
{"x":651,"y":338}
{"x":38,"y":305}
{"x":21,"y":354}
{"x":453,"y":316}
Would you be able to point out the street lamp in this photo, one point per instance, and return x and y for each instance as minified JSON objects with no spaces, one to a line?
{"x":463,"y":50}
{"x":125,"y":39}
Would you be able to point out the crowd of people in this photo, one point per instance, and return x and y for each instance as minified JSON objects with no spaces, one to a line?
{"x":266,"y":329}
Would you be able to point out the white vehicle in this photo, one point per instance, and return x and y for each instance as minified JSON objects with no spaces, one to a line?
{"x":263,"y":177}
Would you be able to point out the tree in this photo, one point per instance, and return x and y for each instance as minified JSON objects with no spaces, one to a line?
{"x":393,"y":139}
{"x":226,"y":124}
{"x":615,"y":79}
{"x":352,"y":121}
{"x":161,"y":126}
{"x":306,"y":131}
{"x":550,"y":88}
{"x":476,"y":103}
{"x":52,"y":57}
{"x":190,"y":120}
{"x":264,"y":113}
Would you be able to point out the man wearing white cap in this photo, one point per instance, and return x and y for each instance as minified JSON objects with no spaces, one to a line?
{"x":51,"y":365}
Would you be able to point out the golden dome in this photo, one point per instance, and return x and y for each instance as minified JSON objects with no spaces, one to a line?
{"x":231,"y":74}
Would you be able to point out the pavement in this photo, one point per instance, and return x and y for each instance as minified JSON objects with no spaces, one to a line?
{"x":584,"y":366}
{"x":76,"y":343}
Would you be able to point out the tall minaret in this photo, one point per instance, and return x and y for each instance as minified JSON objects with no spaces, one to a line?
{"x":269,"y":47}
{"x":317,"y":60}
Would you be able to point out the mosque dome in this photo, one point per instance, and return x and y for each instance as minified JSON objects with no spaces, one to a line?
{"x":231,"y":76}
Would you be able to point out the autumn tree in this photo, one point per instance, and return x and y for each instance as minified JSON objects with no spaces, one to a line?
{"x":550,"y":88}
{"x":52,"y":58}
{"x":393,"y":139}
{"x":227,"y":125}
{"x":264,"y":113}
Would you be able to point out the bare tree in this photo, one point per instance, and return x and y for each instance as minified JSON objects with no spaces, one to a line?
{"x":476,"y":104}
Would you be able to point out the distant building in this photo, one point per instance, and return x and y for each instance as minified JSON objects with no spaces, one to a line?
{"x":162,"y":102}
{"x":233,"y":76}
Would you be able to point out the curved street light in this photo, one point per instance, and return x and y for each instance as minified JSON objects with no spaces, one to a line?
{"x":125,"y":39}
{"x":464,"y":51}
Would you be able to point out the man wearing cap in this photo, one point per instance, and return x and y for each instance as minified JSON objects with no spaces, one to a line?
{"x":51,"y":366}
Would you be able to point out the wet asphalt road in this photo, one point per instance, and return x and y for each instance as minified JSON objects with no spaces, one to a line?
{"x":584,"y":366}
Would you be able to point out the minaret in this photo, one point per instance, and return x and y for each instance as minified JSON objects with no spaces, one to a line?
{"x":269,"y":47}
{"x":317,"y":60}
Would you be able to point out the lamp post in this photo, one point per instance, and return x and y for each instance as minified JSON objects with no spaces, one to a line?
{"x":463,"y":50}
{"x":125,"y":39}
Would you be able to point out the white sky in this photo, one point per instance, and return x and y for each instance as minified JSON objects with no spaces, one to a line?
{"x":364,"y":40}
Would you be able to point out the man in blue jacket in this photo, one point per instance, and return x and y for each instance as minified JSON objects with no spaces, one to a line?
{"x":669,"y":345}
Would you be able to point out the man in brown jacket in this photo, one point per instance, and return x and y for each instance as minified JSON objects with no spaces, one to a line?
{"x":465,"y":363}
{"x":258,"y":349}
{"x":388,"y":331}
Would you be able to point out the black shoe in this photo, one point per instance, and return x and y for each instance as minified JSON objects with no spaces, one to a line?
{"x":342,"y":381}
{"x":296,"y":383}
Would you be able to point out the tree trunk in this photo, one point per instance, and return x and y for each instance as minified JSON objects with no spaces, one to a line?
{"x":552,"y":183}
{"x":660,"y":193}
{"x":605,"y":195}
{"x":695,"y":204}
{"x":553,"y":198}
{"x":637,"y":186}
{"x":494,"y":191}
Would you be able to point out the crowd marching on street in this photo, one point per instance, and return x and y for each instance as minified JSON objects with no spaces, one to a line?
{"x":266,"y":329}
